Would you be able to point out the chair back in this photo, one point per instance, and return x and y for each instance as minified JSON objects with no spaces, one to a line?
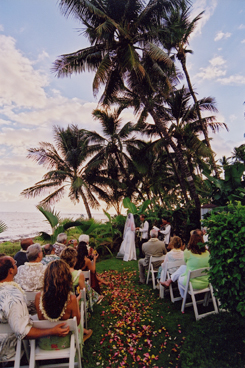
{"x":87,"y":276}
{"x":39,"y":354}
{"x":30,"y":295}
{"x":6,"y":329}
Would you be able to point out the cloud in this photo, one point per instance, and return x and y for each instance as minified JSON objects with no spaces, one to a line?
{"x":198,"y":6}
{"x":233,"y":80}
{"x":1,"y":28}
{"x":242,"y":26}
{"x":243,"y":41}
{"x":20,"y":84}
{"x":221,"y":35}
{"x":217,"y":61}
{"x":214,"y":70}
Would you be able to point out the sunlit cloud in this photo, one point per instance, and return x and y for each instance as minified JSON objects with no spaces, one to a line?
{"x":221,"y":35}
{"x":209,"y":7}
{"x":20,"y":84}
{"x":232,"y":79}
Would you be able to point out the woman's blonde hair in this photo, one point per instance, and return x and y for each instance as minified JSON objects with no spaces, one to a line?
{"x":69,"y":255}
{"x":176,"y":242}
{"x":56,"y":288}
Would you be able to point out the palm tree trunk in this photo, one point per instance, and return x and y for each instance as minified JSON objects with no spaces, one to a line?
{"x":85,"y":202}
{"x":184,"y":169}
{"x":179,"y":178}
{"x":182,"y":59}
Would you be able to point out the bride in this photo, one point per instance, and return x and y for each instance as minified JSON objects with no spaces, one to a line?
{"x":127,"y":250}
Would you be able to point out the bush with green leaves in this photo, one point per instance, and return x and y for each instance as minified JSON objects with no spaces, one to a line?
{"x":226,"y":241}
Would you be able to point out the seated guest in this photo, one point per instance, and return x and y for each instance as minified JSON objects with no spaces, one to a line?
{"x":20,"y":257}
{"x":50,"y":255}
{"x":13,"y":310}
{"x":85,"y":238}
{"x":195,"y":256}
{"x":56,"y":302}
{"x":85,"y":264}
{"x":176,"y":254}
{"x":69,"y":255}
{"x":60,"y":243}
{"x":153,"y":247}
{"x":30,"y":275}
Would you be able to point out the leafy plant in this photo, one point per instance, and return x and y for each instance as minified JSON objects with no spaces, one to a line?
{"x":57,"y":224}
{"x":3,"y":227}
{"x":226,"y":232}
{"x":132,"y":207}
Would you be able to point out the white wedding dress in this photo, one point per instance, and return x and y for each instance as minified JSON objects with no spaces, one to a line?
{"x":127,"y":249}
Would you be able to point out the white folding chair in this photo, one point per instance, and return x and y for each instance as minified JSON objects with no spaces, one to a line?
{"x":168,"y":271}
{"x":152,"y":271}
{"x":39,"y":354}
{"x":30,"y":296}
{"x":87,"y":276}
{"x":83,"y":308}
{"x":5,"y":329}
{"x":189,"y":290}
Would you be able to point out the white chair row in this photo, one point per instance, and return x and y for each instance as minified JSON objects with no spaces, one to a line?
{"x":153,"y":271}
{"x":188,"y":289}
{"x":19,"y":351}
{"x":35,"y":354}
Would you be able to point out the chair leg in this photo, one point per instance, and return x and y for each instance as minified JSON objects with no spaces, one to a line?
{"x":184,"y":300}
{"x":17,"y":355}
{"x":161,"y":292}
{"x":72,"y":352}
{"x":32,"y":354}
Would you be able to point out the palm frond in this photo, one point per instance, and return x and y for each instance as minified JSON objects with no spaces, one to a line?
{"x":52,"y":217}
{"x":3,"y":226}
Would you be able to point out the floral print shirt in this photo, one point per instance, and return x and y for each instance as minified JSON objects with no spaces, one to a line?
{"x":13,"y":310}
{"x":49,"y":258}
{"x":30,"y":276}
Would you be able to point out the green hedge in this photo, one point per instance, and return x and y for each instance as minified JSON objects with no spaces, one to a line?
{"x":226,"y":240}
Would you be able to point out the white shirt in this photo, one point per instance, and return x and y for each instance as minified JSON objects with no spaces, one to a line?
{"x":166,"y":232}
{"x":30,"y":276}
{"x":144,"y":230}
{"x":13,"y":310}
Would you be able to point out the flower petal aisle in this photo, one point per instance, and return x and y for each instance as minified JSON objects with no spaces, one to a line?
{"x":131,"y":327}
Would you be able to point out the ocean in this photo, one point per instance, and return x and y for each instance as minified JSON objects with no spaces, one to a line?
{"x":29,"y":224}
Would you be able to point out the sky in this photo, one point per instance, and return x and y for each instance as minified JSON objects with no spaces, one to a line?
{"x":34,"y":33}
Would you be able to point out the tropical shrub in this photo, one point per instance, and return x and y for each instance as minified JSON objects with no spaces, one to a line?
{"x":226,"y":235}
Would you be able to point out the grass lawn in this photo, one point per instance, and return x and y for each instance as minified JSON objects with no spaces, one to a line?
{"x":134,"y":328}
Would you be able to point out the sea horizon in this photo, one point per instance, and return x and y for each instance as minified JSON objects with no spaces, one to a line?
{"x":26,"y":224}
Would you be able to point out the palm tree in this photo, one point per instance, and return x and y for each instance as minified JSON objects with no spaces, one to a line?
{"x":3,"y":226}
{"x":125,"y":56}
{"x":175,"y":35}
{"x":67,"y":162}
{"x":111,"y":158}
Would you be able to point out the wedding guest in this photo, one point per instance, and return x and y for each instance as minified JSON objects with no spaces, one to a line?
{"x":153,"y":247}
{"x":13,"y":310}
{"x":60,"y":244}
{"x":30,"y":275}
{"x":85,"y":264}
{"x":50,"y":255}
{"x":56,"y":302}
{"x":195,"y":256}
{"x":176,"y":254}
{"x":20,"y":257}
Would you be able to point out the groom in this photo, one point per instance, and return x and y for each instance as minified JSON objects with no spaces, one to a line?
{"x":143,"y":230}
